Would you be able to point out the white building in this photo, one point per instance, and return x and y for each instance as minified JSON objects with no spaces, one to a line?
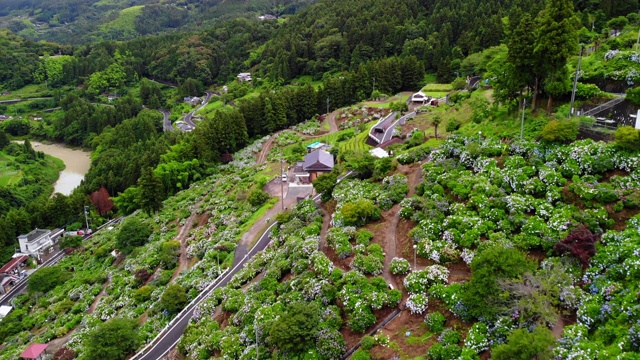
{"x":35,"y":242}
{"x":244,"y":77}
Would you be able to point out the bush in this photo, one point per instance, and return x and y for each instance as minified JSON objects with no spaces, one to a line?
{"x":587,"y":91}
{"x":360,"y":355}
{"x":560,"y":131}
{"x":435,"y":322}
{"x":363,"y":237}
{"x":399,"y":266}
{"x":257,"y":197}
{"x":359,"y":212}
{"x":368,"y":342}
{"x":133,"y":233}
{"x":449,"y":337}
{"x":453,"y":125}
{"x":627,"y":138}
{"x":143,"y":294}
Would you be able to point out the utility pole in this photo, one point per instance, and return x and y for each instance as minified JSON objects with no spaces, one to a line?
{"x":575,"y":81}
{"x":374,"y":85}
{"x":281,"y":185}
{"x":524,"y":106}
{"x":327,"y":105}
{"x":86,"y":219}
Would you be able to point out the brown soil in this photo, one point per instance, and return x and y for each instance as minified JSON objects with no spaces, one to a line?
{"x":262,"y":155}
{"x":183,"y":262}
{"x":620,"y":218}
{"x":102,"y":293}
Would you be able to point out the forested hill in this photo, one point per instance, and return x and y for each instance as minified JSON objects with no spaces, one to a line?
{"x":82,"y":21}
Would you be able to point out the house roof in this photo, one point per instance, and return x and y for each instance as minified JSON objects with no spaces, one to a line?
{"x":13,"y":263}
{"x":4,"y":310}
{"x":318,"y":160}
{"x":35,"y":234}
{"x":33,"y":351}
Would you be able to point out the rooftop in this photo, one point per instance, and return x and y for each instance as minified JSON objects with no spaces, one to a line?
{"x":318,"y":159}
{"x":36,"y":234}
{"x":34,"y":351}
{"x":13,"y":263}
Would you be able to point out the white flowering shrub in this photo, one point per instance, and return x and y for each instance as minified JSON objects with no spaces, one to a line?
{"x":420,"y":281}
{"x":417,"y":303}
{"x":477,"y":339}
{"x":399,"y":266}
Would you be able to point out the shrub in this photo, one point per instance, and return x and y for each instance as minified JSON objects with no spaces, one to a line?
{"x":435,"y":322}
{"x":399,"y":266}
{"x":580,"y":243}
{"x":453,"y":125}
{"x":449,"y":337}
{"x":360,"y":355}
{"x":363,"y":237}
{"x":143,"y":294}
{"x":368,"y":342}
{"x":628,"y":138}
{"x":587,"y":91}
{"x":257,"y":197}
{"x":133,"y":233}
{"x":395,"y":296}
{"x":417,"y":303}
{"x":359,"y":212}
{"x":560,"y":131}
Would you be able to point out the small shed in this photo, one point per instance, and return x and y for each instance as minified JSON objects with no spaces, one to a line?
{"x":316,"y":146}
{"x":34,"y":352}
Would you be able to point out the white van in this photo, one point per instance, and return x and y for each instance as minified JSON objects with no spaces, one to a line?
{"x":284,"y":177}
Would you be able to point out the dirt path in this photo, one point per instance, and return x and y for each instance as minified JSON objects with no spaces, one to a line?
{"x":413,"y":173}
{"x":326,"y":220}
{"x":558,"y":327}
{"x":262,"y":155}
{"x":183,"y":262}
{"x":333,"y":126}
{"x":102,"y":293}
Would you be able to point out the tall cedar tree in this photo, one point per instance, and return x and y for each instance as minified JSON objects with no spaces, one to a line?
{"x":151,"y":191}
{"x":520,"y":53}
{"x":556,"y":41}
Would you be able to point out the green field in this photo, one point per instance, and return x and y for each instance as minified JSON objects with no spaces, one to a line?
{"x":27,"y":92}
{"x":358,"y":142}
{"x":125,"y":22}
{"x":402,"y":97}
{"x":8,"y":174}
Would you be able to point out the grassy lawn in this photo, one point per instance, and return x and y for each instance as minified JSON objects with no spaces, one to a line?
{"x":8,"y":175}
{"x":402,"y":97}
{"x":33,"y":90}
{"x":258,"y":214}
{"x":436,"y":94}
{"x":437,"y":87}
{"x":211,"y":107}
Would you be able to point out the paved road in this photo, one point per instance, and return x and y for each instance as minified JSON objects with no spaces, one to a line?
{"x":170,"y":336}
{"x":166,"y":123}
{"x":188,"y":118}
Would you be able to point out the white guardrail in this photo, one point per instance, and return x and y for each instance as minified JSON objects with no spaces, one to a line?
{"x":203,"y":294}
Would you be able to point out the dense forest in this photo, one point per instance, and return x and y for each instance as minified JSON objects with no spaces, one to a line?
{"x":83,"y":21}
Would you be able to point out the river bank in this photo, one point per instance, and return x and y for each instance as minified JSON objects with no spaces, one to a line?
{"x":76,"y":162}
